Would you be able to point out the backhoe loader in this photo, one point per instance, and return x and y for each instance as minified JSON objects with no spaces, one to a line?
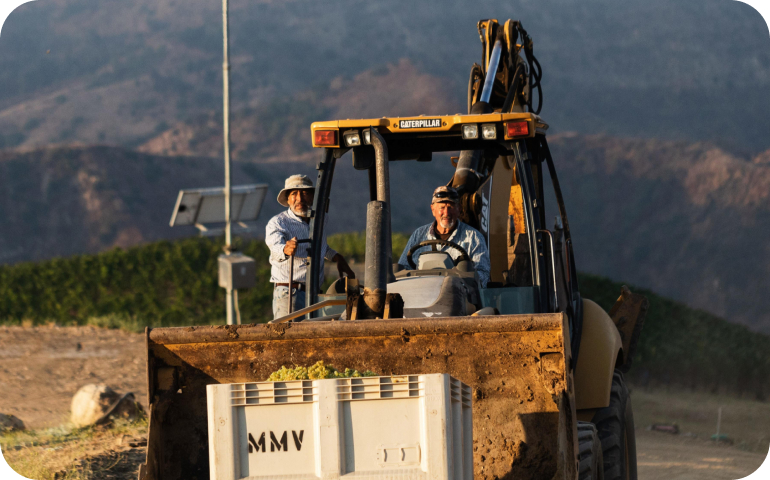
{"x":545,"y":364}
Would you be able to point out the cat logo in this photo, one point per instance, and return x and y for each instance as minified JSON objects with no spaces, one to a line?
{"x":421,"y":123}
{"x":484,"y":220}
{"x":275,"y":444}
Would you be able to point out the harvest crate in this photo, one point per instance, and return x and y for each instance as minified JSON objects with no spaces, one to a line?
{"x":399,"y":427}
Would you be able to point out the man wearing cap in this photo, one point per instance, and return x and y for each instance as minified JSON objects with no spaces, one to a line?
{"x":281,"y":236}
{"x":447,"y":226}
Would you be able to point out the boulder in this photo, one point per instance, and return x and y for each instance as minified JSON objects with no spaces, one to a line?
{"x":10,"y":423}
{"x":98,"y":404}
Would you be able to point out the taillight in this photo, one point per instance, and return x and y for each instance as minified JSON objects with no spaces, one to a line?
{"x":517,"y":129}
{"x":325,"y":137}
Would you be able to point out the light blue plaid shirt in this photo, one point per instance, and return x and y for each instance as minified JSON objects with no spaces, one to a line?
{"x":282,"y":228}
{"x":464,"y":235}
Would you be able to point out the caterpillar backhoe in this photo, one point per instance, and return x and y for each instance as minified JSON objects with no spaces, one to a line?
{"x":545,"y":364}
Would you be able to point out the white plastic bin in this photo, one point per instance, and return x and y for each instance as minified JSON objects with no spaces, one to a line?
{"x":400,"y":427}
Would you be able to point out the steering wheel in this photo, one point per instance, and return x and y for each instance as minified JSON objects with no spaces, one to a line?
{"x":425,"y":243}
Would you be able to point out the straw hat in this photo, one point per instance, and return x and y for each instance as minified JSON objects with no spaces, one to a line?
{"x":295,"y":182}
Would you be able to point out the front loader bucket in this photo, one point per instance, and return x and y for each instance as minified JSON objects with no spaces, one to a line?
{"x":523,"y":405}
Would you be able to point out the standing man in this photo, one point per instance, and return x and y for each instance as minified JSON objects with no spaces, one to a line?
{"x":281,"y":235}
{"x":447,"y":226}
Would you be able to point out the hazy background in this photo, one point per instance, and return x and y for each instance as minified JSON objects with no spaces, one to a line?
{"x":658,"y":111}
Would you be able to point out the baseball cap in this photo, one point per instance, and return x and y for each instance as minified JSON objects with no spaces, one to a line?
{"x":445,"y":194}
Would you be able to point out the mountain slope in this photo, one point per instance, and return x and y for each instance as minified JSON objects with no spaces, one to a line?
{"x":689,"y":220}
{"x":278,"y":131}
{"x":123,"y":72}
{"x":66,"y":200}
{"x":686,"y":219}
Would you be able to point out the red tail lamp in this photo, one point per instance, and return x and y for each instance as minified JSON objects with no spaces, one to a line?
{"x":517,"y":129}
{"x":325,"y":137}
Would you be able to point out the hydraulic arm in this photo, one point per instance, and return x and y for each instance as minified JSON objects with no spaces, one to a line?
{"x":503,"y":83}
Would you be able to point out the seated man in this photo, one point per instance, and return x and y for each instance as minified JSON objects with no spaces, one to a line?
{"x":448,"y":227}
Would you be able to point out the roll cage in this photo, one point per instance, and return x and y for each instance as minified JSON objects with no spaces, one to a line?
{"x":514,"y":141}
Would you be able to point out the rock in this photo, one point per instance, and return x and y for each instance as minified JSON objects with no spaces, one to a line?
{"x":131,"y":441}
{"x":97,"y":404}
{"x":10,"y":423}
{"x":670,"y":429}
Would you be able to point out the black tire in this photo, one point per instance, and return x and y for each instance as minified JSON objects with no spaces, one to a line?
{"x":589,"y":453}
{"x":615,"y":426}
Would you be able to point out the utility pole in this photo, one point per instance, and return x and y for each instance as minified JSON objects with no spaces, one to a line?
{"x":231,"y":294}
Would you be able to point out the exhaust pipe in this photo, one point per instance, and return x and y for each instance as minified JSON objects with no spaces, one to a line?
{"x":382,"y":168}
{"x":379,"y":254}
{"x":376,"y":278}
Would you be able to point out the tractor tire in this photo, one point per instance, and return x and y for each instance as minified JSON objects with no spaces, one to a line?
{"x":615,"y":426}
{"x":591,"y":465}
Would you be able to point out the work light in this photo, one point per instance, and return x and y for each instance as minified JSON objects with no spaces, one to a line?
{"x":352,"y":139}
{"x":489,"y":131}
{"x":470,"y":132}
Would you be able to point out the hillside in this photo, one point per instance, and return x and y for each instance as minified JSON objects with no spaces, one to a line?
{"x":690,"y":220}
{"x":278,"y":130}
{"x":687,"y":219}
{"x":60,"y":201}
{"x":68,"y":200}
{"x":125,"y":72}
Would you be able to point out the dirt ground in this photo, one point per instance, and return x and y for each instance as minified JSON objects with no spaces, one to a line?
{"x":41,"y":368}
{"x":663,"y":456}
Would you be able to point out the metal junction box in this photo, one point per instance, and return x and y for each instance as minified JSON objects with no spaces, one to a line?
{"x":411,"y":427}
{"x":237,"y":271}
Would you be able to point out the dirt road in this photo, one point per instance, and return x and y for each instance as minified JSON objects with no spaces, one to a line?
{"x":661,"y":456}
{"x":41,"y":369}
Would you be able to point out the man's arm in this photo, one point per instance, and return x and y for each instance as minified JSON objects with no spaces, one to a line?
{"x":480,"y":256}
{"x":414,"y":239}
{"x":342,"y":266}
{"x":275,"y":238}
{"x":328,"y":252}
{"x":333,"y":256}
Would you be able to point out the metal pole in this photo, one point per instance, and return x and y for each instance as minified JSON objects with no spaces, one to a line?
{"x":719,"y":423}
{"x":291,"y":278}
{"x":237,"y":310}
{"x":226,"y":132}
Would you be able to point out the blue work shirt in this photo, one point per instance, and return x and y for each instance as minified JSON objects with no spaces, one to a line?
{"x":465,"y":236}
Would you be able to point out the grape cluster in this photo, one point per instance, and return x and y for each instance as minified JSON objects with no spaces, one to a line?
{"x":317,"y":371}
